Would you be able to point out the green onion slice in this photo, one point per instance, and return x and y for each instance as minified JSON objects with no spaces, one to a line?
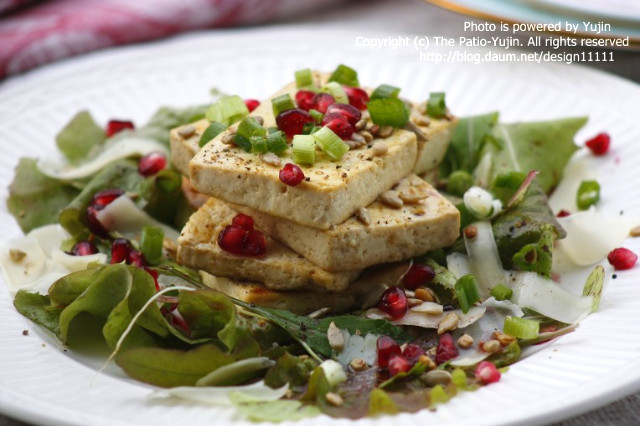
{"x":316,"y":115}
{"x":388,"y":112}
{"x":304,"y":149}
{"x":330,"y":143}
{"x":521,"y":328}
{"x":436,"y":106}
{"x":258,"y":144}
{"x":467,"y":292}
{"x":277,"y":142}
{"x":345,"y":75}
{"x":282,"y":103}
{"x":338,"y":93}
{"x":501,"y":292}
{"x":588,"y":194}
{"x":242,"y":142}
{"x":151,"y":244}
{"x":304,"y":78}
{"x":249,"y":127}
{"x":385,"y":91}
{"x":214,"y":129}
{"x":227,"y":110}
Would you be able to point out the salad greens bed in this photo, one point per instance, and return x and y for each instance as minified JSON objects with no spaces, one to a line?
{"x":163,"y":326}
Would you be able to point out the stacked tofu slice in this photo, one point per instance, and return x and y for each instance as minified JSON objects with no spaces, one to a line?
{"x":327,"y":236}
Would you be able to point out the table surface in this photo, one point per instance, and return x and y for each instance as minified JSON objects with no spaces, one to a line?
{"x":416,"y":17}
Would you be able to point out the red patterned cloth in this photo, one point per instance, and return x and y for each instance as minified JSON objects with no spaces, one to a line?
{"x":48,"y":31}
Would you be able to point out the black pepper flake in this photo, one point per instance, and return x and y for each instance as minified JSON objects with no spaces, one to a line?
{"x":614,"y":276}
{"x":338,"y":167}
{"x":344,"y":175}
{"x":25,"y":332}
{"x":307,"y":179}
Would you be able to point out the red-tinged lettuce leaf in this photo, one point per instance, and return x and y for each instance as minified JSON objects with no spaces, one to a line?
{"x":546,"y":146}
{"x":34,"y":199}
{"x":172,"y":367}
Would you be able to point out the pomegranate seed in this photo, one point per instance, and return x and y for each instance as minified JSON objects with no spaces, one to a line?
{"x":292,"y":121}
{"x":251,"y":104}
{"x":105,"y":197}
{"x":351,"y":113}
{"x":339,"y":124}
{"x":418,"y":275}
{"x":563,"y":213}
{"x":116,"y":126}
{"x":84,"y":248}
{"x":357,"y":97}
{"x":487,"y":373}
{"x":622,"y":258}
{"x":412,"y":352}
{"x":136,"y":258}
{"x":93,"y":223}
{"x":243,"y":220}
{"x":398,"y":364}
{"x":152,"y":163}
{"x":154,"y":275}
{"x":393,"y":302}
{"x":321,"y":102}
{"x":291,"y":174}
{"x":254,"y":244}
{"x":446,"y":349}
{"x":304,"y":99}
{"x":599,"y":145}
{"x":240,"y":241}
{"x":120,"y":250}
{"x":386,"y":347}
{"x":231,"y":237}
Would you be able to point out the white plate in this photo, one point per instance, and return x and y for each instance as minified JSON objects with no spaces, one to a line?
{"x":596,"y":364}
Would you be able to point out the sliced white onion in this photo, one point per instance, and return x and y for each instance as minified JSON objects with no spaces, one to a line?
{"x":533,"y":291}
{"x":76,"y":263}
{"x":479,"y":202}
{"x":431,"y":321}
{"x":583,"y":166}
{"x":221,"y":395}
{"x":484,"y":259}
{"x":124,"y":216}
{"x":458,"y":264}
{"x":591,"y":235}
{"x":120,"y":148}
{"x":358,"y":347}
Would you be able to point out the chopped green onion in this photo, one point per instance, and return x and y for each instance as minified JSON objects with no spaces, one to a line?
{"x":345,"y":75}
{"x":282,"y":103}
{"x":459,"y":378}
{"x":330,"y":143}
{"x":385,"y":91}
{"x":467,"y":292}
{"x":338,"y":93}
{"x":316,"y":115}
{"x":249,"y":127}
{"x":309,"y":128}
{"x":276,"y":142}
{"x":389,"y":112}
{"x":151,"y":244}
{"x":214,"y":129}
{"x":436,"y":106}
{"x":459,"y":182}
{"x":304,"y":78}
{"x":588,"y":194}
{"x":521,"y":328}
{"x":227,"y":110}
{"x":438,"y":396}
{"x":242,"y":142}
{"x":501,"y":292}
{"x":304,"y":149}
{"x":258,"y":144}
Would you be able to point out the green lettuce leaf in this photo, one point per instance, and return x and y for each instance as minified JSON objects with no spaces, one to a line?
{"x":79,"y":137}
{"x":172,"y":367}
{"x":38,"y":309}
{"x":277,"y":411}
{"x":34,"y":199}
{"x":165,"y":119}
{"x":546,"y":146}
